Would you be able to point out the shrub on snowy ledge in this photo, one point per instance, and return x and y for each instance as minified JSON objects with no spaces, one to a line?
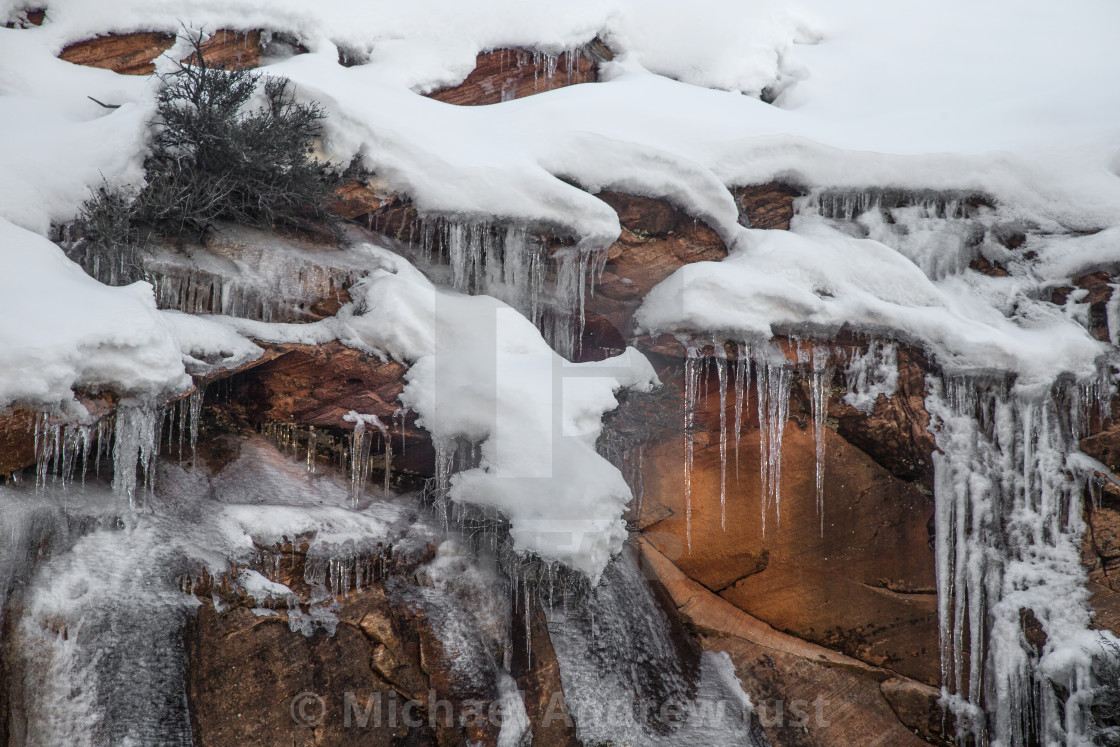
{"x":215,"y":159}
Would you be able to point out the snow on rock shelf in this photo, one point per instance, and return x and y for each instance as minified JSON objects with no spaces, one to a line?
{"x":482,"y":374}
{"x":950,"y":194}
{"x":60,"y":329}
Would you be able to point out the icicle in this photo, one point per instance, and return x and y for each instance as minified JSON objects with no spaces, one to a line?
{"x":361,"y":443}
{"x":819,"y":384}
{"x":773,"y":380}
{"x":388,"y":462}
{"x":180,"y":408}
{"x":692,"y":364}
{"x":742,"y":376}
{"x":721,"y":377}
{"x":312,"y":449}
{"x":135,"y":441}
{"x":194,"y":407}
{"x":1112,"y":314}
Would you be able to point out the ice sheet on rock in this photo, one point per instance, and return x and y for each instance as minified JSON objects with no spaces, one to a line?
{"x":871,"y":373}
{"x":98,"y":648}
{"x":467,"y":602}
{"x":1009,"y":485}
{"x":622,"y":670}
{"x":260,"y":588}
{"x":819,"y":282}
{"x":117,"y":674}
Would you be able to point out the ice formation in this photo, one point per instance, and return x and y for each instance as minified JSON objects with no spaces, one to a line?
{"x":904,"y":191}
{"x":820,"y":385}
{"x":482,"y":373}
{"x":620,"y":667}
{"x":871,"y":374}
{"x":1009,"y":487}
{"x":692,"y":367}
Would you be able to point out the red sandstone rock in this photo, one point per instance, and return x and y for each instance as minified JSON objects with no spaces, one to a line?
{"x":505,"y":74}
{"x":17,"y":440}
{"x":27,"y":18}
{"x":357,"y":199}
{"x":916,"y":706}
{"x":896,"y":433}
{"x":865,"y":588}
{"x":657,"y":238}
{"x":839,"y":700}
{"x":133,"y":54}
{"x":767,"y":205}
{"x":316,"y":385}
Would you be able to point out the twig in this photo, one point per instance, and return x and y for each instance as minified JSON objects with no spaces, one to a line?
{"x":101,"y":103}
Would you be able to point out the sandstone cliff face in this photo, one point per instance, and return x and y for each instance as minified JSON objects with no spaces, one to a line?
{"x":860,"y":580}
{"x":387,"y":674}
{"x":843,"y":613}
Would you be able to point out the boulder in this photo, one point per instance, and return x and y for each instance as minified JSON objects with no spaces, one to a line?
{"x":896,"y":433}
{"x":316,"y":385}
{"x":657,"y":238}
{"x":17,"y":440}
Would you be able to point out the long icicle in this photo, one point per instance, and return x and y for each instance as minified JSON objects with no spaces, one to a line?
{"x":818,"y":402}
{"x":762,"y":392}
{"x":773,"y":378}
{"x":742,"y":375}
{"x":721,"y":376}
{"x":692,"y":364}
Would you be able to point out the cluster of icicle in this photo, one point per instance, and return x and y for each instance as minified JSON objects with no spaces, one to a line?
{"x":514,"y":265}
{"x":197,"y":291}
{"x":940,"y":231}
{"x":772,"y":374}
{"x":546,"y":68}
{"x":366,"y":448}
{"x":65,"y":451}
{"x":1009,"y":484}
{"x":361,"y":444}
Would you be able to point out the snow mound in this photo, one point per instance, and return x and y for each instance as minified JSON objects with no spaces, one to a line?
{"x":60,"y":329}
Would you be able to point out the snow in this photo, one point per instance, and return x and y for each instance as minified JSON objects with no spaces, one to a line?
{"x":207,"y":346}
{"x":816,"y":281}
{"x":60,"y":329}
